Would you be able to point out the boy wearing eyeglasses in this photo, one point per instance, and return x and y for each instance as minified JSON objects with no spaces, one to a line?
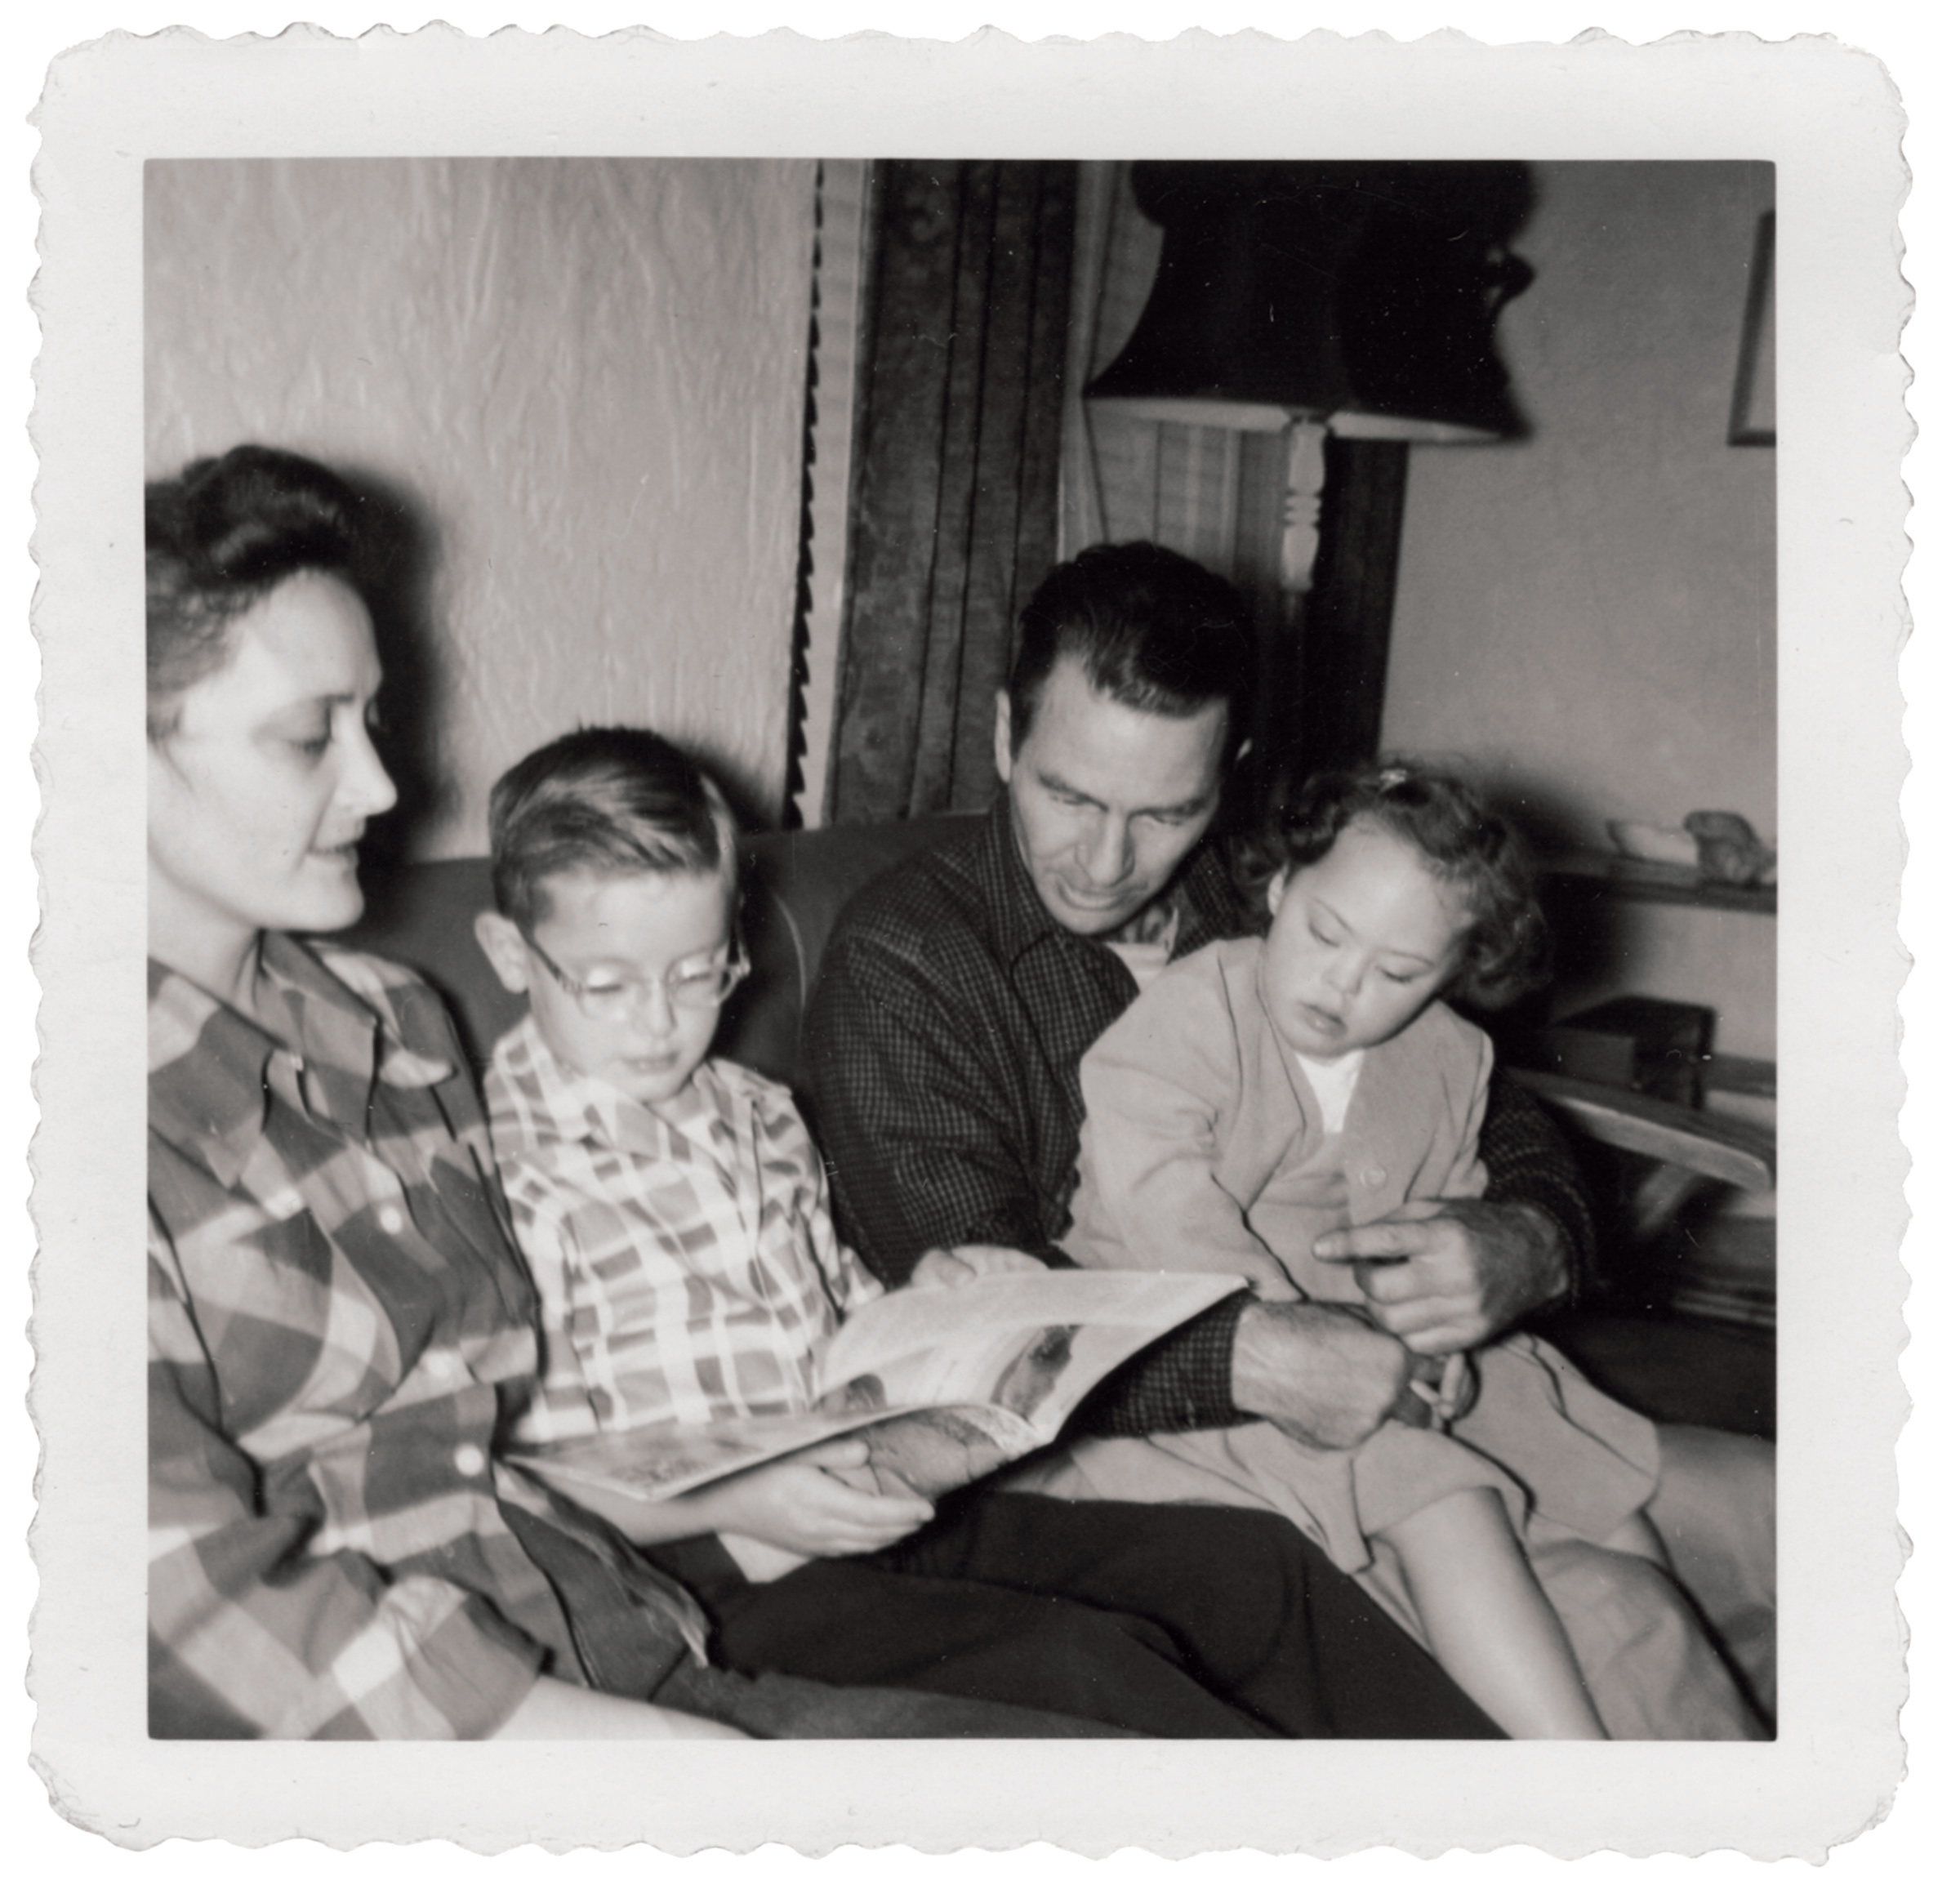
{"x":675,"y":1218}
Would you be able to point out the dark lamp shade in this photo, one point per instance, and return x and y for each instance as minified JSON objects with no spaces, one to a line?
{"x":1364,"y":296}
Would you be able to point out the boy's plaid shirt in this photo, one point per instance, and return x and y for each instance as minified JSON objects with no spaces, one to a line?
{"x":337,"y":1316}
{"x":685,"y":1260}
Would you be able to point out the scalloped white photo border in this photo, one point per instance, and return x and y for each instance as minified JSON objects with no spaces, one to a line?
{"x":1830,"y":121}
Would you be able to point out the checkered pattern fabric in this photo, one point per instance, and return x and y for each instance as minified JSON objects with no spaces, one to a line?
{"x":944,"y":1043}
{"x":337,"y":1319}
{"x":685,"y":1260}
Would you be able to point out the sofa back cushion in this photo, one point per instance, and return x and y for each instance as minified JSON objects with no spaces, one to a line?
{"x":794,"y":884}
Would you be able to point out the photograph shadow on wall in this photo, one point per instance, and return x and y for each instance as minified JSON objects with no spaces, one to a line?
{"x":401,"y":549}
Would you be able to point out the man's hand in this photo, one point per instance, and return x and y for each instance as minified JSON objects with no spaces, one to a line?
{"x":948,"y":1269}
{"x":1323,"y":1373}
{"x":1467,"y":1270}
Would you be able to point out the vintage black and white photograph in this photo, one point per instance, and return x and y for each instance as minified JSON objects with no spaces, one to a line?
{"x":742,"y":748}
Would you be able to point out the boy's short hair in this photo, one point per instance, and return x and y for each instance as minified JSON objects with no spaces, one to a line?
{"x":1459,"y":836}
{"x":612,"y":801}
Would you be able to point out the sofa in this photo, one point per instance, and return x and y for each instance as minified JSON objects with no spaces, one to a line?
{"x":793,"y":885}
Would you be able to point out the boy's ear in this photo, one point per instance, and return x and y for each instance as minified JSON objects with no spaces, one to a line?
{"x":503,"y":943}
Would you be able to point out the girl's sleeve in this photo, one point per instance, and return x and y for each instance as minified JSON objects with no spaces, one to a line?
{"x":250,"y":1634}
{"x":1155,"y":1087}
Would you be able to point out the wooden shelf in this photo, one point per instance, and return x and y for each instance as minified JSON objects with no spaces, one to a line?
{"x":1635,"y":880}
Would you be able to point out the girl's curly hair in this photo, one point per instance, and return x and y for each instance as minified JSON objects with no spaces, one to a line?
{"x":1452,"y":827}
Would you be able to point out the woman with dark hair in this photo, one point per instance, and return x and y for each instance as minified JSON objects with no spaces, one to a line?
{"x":335,"y":1309}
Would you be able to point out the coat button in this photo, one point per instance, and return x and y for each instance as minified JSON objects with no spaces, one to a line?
{"x":390,"y":1220}
{"x":1373,"y":1174}
{"x":469,"y":1460}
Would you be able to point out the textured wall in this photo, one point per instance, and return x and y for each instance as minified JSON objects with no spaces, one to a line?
{"x":1591,"y":615}
{"x":589,"y":373}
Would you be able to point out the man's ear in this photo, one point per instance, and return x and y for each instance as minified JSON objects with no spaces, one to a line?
{"x":1004,"y":734}
{"x":1276,"y":891}
{"x":502,"y":942}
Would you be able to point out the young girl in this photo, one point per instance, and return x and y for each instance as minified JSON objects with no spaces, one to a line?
{"x":1260,"y":1092}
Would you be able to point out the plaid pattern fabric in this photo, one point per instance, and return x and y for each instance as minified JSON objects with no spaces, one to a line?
{"x":337,"y":1316}
{"x":684,"y":1260}
{"x":944,"y":1043}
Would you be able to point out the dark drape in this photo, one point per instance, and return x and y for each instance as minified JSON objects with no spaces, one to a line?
{"x":957,"y":441}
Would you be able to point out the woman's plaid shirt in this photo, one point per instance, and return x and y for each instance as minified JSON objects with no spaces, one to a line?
{"x":337,"y":1316}
{"x":685,"y":1260}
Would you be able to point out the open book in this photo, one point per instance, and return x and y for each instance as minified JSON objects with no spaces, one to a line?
{"x":942,"y":1384}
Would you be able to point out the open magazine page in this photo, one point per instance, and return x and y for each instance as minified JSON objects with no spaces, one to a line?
{"x":1028,"y":1343}
{"x":943,"y":1384}
{"x":656,"y":1463}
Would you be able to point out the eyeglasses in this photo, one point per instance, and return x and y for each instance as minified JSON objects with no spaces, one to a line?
{"x":685,"y":986}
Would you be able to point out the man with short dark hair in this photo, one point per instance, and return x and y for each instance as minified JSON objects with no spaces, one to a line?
{"x":959,"y":993}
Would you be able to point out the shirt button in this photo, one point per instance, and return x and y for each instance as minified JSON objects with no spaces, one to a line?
{"x":1373,"y":1174}
{"x":390,"y":1220}
{"x":469,"y":1460}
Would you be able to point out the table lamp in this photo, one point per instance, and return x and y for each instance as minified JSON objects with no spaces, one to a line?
{"x":1351,"y":298}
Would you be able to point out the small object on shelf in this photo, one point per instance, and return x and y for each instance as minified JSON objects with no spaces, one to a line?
{"x":1653,"y":844}
{"x":1640,"y":880}
{"x":1728,"y":850}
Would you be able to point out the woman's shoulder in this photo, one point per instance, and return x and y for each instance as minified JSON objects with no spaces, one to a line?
{"x":407,"y":1006}
{"x":372,"y":976}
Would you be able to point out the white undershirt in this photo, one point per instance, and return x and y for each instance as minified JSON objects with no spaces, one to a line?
{"x":1333,"y":1084}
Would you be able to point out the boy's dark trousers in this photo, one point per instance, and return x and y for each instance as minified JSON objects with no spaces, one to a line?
{"x":1173,"y":1620}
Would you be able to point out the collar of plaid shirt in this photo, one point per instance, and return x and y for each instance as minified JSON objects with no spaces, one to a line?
{"x":209,"y":1093}
{"x":550,"y":1102}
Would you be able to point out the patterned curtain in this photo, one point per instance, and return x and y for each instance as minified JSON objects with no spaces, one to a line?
{"x":954,"y":512}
